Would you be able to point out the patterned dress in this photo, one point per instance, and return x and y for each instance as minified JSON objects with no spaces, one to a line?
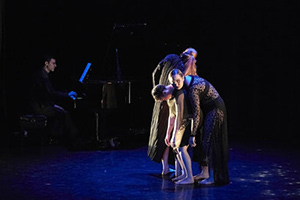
{"x":214,"y":135}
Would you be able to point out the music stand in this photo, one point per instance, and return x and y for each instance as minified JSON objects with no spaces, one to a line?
{"x":85,"y":72}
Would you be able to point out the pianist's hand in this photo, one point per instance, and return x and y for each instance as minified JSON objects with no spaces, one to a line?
{"x":73,"y":95}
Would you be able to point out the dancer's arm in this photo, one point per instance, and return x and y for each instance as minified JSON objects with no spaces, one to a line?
{"x":179,"y":106}
{"x":169,"y":129}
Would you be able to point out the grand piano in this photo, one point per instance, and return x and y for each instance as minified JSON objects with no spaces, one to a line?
{"x":102,"y":108}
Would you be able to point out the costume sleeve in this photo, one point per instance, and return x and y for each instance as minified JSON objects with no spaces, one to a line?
{"x":54,"y":93}
{"x":194,"y":96}
{"x":59,"y":94}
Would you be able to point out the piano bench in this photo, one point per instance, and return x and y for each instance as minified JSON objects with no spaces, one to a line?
{"x":33,"y":131}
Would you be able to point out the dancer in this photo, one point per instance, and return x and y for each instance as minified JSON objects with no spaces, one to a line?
{"x":178,"y":122}
{"x":157,"y":149}
{"x":214,"y":139}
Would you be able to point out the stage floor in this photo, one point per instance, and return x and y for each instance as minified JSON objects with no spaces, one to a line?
{"x":258,"y":170}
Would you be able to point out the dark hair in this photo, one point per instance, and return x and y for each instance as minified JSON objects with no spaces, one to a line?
{"x":48,"y":57}
{"x":185,"y":57}
{"x":157,"y":92}
{"x":189,"y":62}
{"x":175,"y":72}
{"x":190,"y":51}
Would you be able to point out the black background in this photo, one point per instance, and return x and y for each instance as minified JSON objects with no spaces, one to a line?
{"x":247,"y":49}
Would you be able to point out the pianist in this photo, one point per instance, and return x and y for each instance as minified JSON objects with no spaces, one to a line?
{"x":43,"y":99}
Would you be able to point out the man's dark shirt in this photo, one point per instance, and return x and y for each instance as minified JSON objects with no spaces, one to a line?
{"x":43,"y":92}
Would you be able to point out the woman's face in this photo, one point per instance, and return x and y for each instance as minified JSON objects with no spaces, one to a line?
{"x":178,"y":81}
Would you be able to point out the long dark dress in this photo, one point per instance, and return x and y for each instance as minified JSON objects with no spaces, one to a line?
{"x":160,"y":114}
{"x":214,"y":137}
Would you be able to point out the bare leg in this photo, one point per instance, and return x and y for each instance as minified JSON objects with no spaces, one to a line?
{"x":204,"y":174}
{"x":165,"y":163}
{"x":179,"y":171}
{"x":165,"y":158}
{"x":187,"y":165}
{"x":210,"y":179}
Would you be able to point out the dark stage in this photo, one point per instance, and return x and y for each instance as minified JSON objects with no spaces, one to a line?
{"x":249,"y":50}
{"x":258,"y":170}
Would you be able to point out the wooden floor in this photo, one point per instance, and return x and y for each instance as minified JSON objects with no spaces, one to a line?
{"x":258,"y":170}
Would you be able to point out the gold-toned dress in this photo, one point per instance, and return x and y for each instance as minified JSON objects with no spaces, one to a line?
{"x":160,"y":114}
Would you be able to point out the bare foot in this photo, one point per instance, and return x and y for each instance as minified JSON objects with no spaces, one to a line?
{"x":201,"y":176}
{"x":207,"y":181}
{"x":165,"y":172}
{"x":185,"y":181}
{"x":182,"y":176}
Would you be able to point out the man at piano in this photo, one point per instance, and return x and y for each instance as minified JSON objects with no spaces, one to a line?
{"x":43,"y":99}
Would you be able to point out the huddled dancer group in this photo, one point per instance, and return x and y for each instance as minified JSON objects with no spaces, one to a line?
{"x":188,"y":113}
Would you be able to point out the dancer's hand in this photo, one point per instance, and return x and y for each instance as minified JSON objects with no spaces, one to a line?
{"x":167,"y":141}
{"x":73,"y":95}
{"x":173,"y":142}
{"x":176,"y":150}
{"x":192,"y":142}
